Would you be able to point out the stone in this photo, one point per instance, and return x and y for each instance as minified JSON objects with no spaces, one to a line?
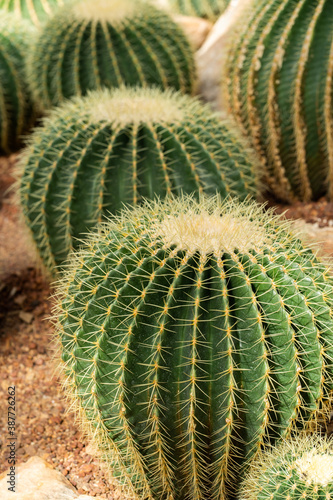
{"x":26,"y":316}
{"x":195,"y":28}
{"x":36,"y":480}
{"x":212,"y":55}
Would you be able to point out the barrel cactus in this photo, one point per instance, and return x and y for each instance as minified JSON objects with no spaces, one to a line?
{"x":210,"y":9}
{"x":115,"y":147}
{"x":280,"y":89}
{"x":16,"y":109}
{"x":33,"y":10}
{"x":294,"y":470}
{"x":192,"y":333}
{"x":91,"y":44}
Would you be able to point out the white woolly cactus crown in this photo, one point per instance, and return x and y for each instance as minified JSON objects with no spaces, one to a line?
{"x":212,"y":232}
{"x":102,"y":10}
{"x":316,"y":467}
{"x":126,"y":106}
{"x":211,"y":225}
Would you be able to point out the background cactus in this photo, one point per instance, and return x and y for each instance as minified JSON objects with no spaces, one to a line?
{"x":33,"y":10}
{"x":210,"y":9}
{"x":280,"y":89}
{"x":92,"y":44}
{"x":294,"y":470}
{"x":111,"y":148}
{"x":192,"y":334}
{"x":16,"y":109}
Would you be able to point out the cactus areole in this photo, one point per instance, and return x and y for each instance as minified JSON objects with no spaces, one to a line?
{"x":110,"y":148}
{"x":295,"y":469}
{"x":193,"y":333}
{"x":92,"y":44}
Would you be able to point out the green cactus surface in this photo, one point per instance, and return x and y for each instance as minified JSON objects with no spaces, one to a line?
{"x":36,"y":11}
{"x":294,"y":470}
{"x":115,"y":147}
{"x":192,"y":334}
{"x":16,"y":109}
{"x":280,"y":90}
{"x":210,"y":9}
{"x":91,"y":44}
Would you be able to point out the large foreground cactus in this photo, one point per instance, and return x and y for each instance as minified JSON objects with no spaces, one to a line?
{"x":90,"y":44}
{"x":210,"y":9}
{"x":99,"y":152}
{"x":294,"y":470}
{"x":35,"y":11}
{"x":16,"y":109}
{"x":192,"y":334}
{"x":280,"y":89}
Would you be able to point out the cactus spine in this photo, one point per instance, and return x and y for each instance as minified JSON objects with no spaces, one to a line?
{"x":16,"y":109}
{"x":88,"y":45}
{"x":35,"y":11}
{"x":192,"y":334}
{"x":116,"y":147}
{"x":280,"y":90}
{"x":294,"y":470}
{"x":210,"y":9}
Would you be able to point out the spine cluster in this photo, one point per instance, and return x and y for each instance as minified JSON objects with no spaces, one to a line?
{"x":280,"y":90}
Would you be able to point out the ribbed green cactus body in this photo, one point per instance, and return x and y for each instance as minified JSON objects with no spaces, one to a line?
{"x":16,"y":110}
{"x":280,"y":89}
{"x":294,"y":470}
{"x":87,"y":46}
{"x":210,"y":9}
{"x":191,"y":335}
{"x":36,"y":11}
{"x":108,"y":149}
